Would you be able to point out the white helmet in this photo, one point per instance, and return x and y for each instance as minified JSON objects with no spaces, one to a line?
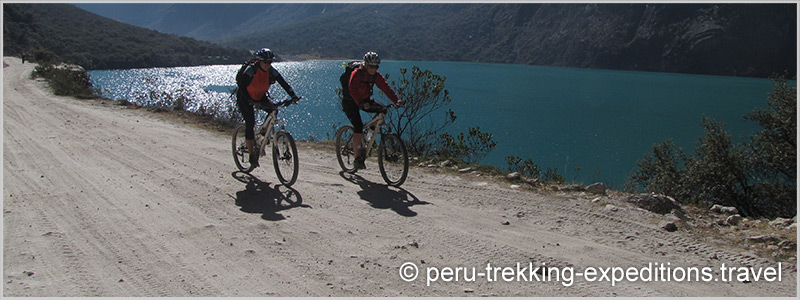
{"x":372,"y":59}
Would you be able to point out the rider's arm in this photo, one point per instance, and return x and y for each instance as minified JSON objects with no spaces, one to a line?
{"x":285,"y":85}
{"x":381,"y":83}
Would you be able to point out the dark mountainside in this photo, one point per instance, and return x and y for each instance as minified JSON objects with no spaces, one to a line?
{"x":210,"y":22}
{"x":755,"y":40}
{"x":96,"y":42}
{"x":137,"y":14}
{"x":723,"y":39}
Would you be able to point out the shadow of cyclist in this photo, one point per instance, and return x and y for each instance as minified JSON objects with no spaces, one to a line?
{"x":381,"y":196}
{"x":259,"y":197}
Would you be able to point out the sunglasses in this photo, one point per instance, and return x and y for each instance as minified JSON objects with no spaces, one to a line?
{"x":373,"y":67}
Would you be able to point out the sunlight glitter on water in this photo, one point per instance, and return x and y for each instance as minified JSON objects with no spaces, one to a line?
{"x":208,"y":90}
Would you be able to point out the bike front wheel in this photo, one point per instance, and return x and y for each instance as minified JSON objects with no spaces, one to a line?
{"x":239,"y":146}
{"x":393,"y":159}
{"x":344,"y":149}
{"x":284,"y":158}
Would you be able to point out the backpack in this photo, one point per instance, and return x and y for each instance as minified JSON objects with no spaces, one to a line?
{"x":344,"y":79}
{"x":241,"y":79}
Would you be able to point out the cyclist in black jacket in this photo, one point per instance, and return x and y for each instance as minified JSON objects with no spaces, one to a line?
{"x":252,"y":94}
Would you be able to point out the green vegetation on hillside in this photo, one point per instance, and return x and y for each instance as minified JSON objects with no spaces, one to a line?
{"x":95,"y":42}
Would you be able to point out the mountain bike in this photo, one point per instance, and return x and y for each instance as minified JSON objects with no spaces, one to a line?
{"x":271,"y":131}
{"x":392,"y":152}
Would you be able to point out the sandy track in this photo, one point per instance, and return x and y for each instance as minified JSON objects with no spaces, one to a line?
{"x":100,"y":200}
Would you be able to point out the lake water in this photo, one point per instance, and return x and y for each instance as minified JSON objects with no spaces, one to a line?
{"x":592,"y":125}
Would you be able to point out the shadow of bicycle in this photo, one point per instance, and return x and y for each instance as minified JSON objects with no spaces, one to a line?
{"x":382,"y":196}
{"x":259,"y":197}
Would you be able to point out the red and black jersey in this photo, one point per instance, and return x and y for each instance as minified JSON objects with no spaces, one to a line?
{"x":361,"y":84}
{"x":261,"y":80}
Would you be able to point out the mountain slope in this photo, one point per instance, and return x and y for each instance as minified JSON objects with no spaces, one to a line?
{"x":210,"y":21}
{"x":722,"y":39}
{"x":137,"y":14}
{"x":755,"y":40}
{"x":97,"y":42}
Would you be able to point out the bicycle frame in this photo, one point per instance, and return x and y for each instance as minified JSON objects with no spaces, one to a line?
{"x":270,"y":122}
{"x":377,"y":122}
{"x":392,"y":153}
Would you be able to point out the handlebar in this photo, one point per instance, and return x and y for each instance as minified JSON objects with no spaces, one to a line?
{"x":285,"y":102}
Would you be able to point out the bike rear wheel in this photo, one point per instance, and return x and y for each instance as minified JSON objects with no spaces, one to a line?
{"x":393,"y":159}
{"x":239,"y":146}
{"x":284,"y":158}
{"x":344,"y":149}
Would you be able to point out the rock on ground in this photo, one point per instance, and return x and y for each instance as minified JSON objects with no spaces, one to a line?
{"x":656,"y":203}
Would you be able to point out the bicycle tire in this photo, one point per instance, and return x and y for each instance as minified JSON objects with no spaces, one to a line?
{"x":284,"y":158}
{"x":393,"y":159}
{"x":344,"y":149}
{"x":239,"y":148}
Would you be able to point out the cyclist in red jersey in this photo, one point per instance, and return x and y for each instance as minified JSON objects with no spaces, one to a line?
{"x":362,"y":80}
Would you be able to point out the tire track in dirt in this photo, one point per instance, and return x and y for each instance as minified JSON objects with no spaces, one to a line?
{"x":649,"y":240}
{"x":458,"y":243}
{"x":652,"y":236}
{"x":113,"y":243}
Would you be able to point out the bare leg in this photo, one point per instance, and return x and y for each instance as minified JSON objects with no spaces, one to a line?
{"x":357,"y":144}
{"x":253,"y":155}
{"x":250,"y":144}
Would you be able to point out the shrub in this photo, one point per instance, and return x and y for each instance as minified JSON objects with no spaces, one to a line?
{"x":66,"y":80}
{"x":660,"y":172}
{"x":470,"y":148}
{"x":527,"y":168}
{"x":757,"y":176}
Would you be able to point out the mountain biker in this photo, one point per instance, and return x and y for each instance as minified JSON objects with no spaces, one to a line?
{"x":252,"y":94}
{"x":360,"y":86}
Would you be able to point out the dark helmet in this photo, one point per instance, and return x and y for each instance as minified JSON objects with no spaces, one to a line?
{"x":372,"y":59}
{"x":265,"y":54}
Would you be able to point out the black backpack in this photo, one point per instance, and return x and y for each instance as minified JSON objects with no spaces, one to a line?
{"x":344,"y":79}
{"x":241,"y":79}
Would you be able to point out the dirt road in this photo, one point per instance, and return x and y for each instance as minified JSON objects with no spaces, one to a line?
{"x":100,"y":200}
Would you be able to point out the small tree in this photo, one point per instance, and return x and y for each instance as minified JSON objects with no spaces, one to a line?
{"x":772,"y":153}
{"x":717,"y":173}
{"x":660,"y":172}
{"x":425,"y":97}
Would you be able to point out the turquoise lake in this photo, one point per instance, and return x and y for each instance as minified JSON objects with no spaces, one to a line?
{"x":592,"y":125}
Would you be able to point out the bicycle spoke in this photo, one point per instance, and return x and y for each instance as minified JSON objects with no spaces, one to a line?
{"x":239,"y":147}
{"x":285,"y":158}
{"x":344,"y":148}
{"x":393,"y":160}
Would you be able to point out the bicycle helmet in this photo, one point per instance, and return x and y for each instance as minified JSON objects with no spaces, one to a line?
{"x":265,"y":54}
{"x":372,"y":59}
